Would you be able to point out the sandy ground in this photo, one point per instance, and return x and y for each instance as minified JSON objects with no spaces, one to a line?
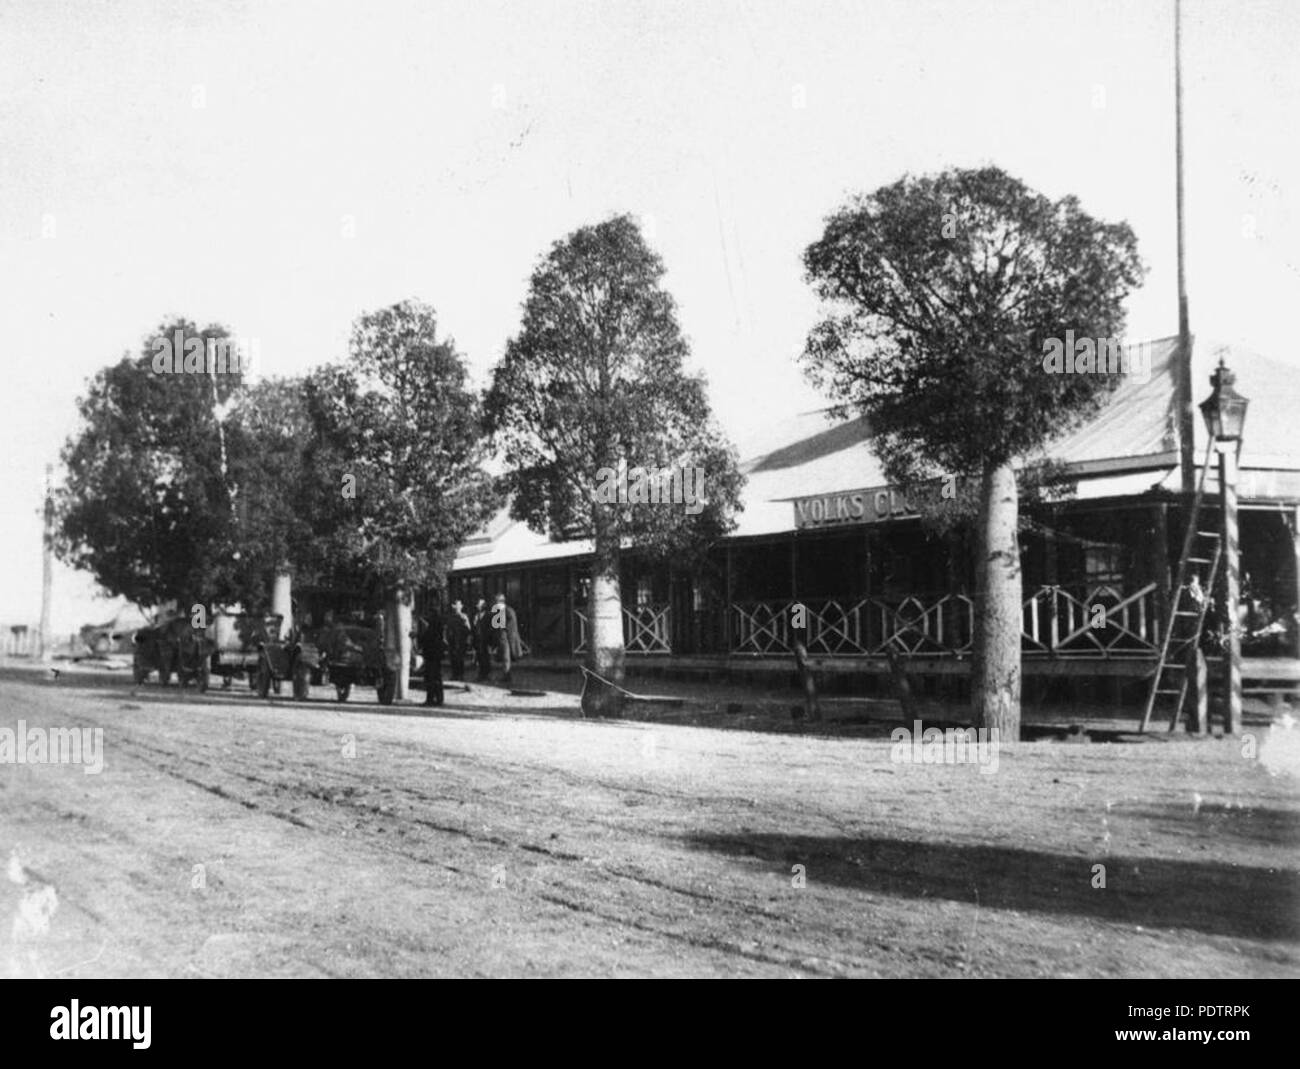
{"x":502,"y":835}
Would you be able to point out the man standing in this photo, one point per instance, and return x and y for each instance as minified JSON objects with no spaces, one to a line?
{"x":506,"y":625}
{"x":482,"y":639}
{"x":431,"y":650}
{"x":458,"y":630}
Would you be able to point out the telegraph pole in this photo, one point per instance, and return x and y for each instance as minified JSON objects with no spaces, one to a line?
{"x":1186,"y":419}
{"x":47,"y":568}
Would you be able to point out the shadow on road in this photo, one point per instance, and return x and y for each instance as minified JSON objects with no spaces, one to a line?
{"x":120,"y":687}
{"x":1206,"y":896}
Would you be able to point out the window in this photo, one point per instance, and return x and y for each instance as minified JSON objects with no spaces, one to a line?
{"x":1102,"y":563}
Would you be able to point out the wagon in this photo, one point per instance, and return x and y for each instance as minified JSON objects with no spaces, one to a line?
{"x":349,"y":654}
{"x":343,"y":655}
{"x":238,"y":640}
{"x":173,"y":646}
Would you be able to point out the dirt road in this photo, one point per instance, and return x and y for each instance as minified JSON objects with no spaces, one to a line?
{"x":230,"y":837}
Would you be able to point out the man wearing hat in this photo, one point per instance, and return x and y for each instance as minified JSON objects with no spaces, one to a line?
{"x":431,"y":646}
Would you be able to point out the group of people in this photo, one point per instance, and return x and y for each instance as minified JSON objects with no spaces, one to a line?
{"x":494,"y":629}
{"x":1264,"y":628}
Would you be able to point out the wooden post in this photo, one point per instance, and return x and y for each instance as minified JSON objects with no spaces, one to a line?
{"x":1183,"y":379}
{"x":726,"y":607}
{"x":794,"y":582}
{"x":569,"y":621}
{"x":1161,"y":566}
{"x":1295,"y":542}
{"x":1197,"y":697}
{"x":1231,"y":547}
{"x":1052,"y":573}
{"x":46,"y":637}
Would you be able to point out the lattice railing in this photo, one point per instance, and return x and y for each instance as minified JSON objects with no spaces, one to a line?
{"x":1105,"y":623}
{"x":1102,"y":623}
{"x":1055,"y":622}
{"x":647,"y":629}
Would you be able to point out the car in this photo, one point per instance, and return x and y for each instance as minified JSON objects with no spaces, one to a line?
{"x":169,"y":646}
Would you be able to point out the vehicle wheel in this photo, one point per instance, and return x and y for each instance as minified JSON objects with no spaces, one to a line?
{"x":387,"y":689}
{"x":301,"y":682}
{"x":343,"y":690}
{"x":203,"y":678}
{"x":263,"y":679}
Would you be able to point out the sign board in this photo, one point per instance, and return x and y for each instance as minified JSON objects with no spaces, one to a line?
{"x":851,"y":506}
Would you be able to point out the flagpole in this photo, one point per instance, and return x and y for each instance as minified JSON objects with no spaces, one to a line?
{"x":1186,"y":417}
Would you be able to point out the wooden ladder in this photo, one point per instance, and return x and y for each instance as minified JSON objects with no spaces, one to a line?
{"x":1202,"y":550}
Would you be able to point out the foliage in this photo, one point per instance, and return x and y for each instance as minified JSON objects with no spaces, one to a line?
{"x":394,"y":455}
{"x":594,"y":383}
{"x":146,"y":503}
{"x":942,"y":293}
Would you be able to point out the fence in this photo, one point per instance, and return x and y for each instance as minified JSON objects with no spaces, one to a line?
{"x":25,"y":641}
{"x":1101,"y":622}
{"x":646,"y":629}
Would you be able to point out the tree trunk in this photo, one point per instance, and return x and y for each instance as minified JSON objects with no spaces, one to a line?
{"x":399,"y":613}
{"x":282,"y":599}
{"x":995,"y":674}
{"x":605,"y":651}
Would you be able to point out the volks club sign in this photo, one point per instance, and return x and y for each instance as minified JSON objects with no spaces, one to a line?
{"x":851,"y":506}
{"x":867,"y":506}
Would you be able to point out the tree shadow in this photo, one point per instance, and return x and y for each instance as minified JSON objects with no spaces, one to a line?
{"x":1216,"y":821}
{"x":1211,"y":897}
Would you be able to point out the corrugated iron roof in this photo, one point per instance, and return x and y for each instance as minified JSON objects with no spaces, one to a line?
{"x":1129,"y":447}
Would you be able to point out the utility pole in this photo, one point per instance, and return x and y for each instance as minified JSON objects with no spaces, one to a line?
{"x":1183,"y":379}
{"x":47,"y":568}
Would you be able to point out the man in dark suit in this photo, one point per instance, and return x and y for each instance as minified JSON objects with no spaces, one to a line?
{"x":482,"y":639}
{"x":431,"y":645}
{"x":506,"y":627}
{"x":458,"y":633}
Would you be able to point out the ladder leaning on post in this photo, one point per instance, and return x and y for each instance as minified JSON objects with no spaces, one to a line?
{"x":1199,"y":561}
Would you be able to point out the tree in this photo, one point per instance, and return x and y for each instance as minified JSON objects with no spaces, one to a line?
{"x":394,"y":459}
{"x":602,"y":431}
{"x":146,"y":503}
{"x":276,"y":495}
{"x":944,"y":297}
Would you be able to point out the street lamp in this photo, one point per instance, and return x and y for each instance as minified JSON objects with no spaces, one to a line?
{"x":1225,"y":416}
{"x":1225,"y":409}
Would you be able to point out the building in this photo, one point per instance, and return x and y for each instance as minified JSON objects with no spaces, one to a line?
{"x":822,"y":528}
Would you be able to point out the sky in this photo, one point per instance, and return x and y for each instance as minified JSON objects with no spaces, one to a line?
{"x":282,"y":168}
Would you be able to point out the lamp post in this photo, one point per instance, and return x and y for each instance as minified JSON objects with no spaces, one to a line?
{"x":1225,"y":415}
